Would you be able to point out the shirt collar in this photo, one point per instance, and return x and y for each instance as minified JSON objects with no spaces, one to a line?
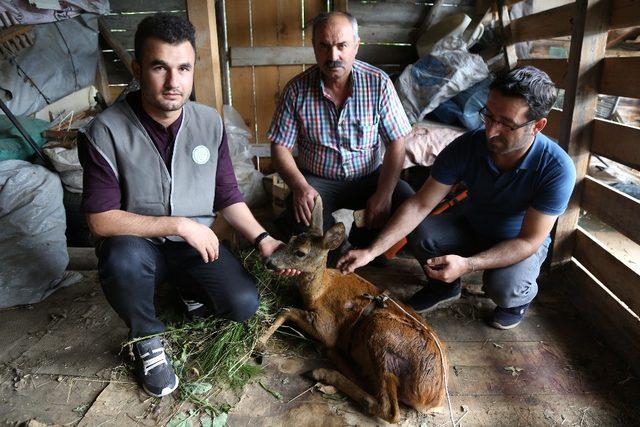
{"x":353,"y":78}
{"x":530,"y":159}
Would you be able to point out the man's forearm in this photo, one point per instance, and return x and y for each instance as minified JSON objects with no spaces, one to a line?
{"x":286,"y":166}
{"x":241,"y":219}
{"x":403,"y":221}
{"x":391,"y":166}
{"x":410,"y":214}
{"x":503,"y":254}
{"x":119,"y":223}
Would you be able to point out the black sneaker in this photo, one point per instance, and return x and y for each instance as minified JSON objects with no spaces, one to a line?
{"x":153,"y":368}
{"x":434,"y":295}
{"x":507,"y":318}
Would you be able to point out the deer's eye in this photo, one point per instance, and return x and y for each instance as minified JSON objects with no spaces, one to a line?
{"x":299,"y":254}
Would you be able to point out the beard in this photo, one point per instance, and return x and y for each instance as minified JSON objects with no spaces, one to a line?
{"x":500,"y":145}
{"x":169,"y":105}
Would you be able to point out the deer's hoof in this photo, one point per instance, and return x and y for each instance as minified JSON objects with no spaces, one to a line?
{"x":313,"y":375}
{"x":259,"y":353}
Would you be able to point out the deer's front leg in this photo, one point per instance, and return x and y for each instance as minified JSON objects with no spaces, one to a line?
{"x":301,"y":318}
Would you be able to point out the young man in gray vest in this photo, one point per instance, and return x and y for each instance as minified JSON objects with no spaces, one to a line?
{"x":156,"y":168}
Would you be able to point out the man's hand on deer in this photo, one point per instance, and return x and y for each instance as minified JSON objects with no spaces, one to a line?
{"x":268,"y":246}
{"x":447,"y":268}
{"x":378,"y":210}
{"x":304,"y":197}
{"x":353,"y":259}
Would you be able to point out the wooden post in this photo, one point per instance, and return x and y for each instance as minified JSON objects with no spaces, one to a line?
{"x":429,"y":19}
{"x":120,"y":51}
{"x":207,"y":81}
{"x":341,"y":5}
{"x":588,"y":43}
{"x":510,"y":56}
{"x":102,"y":81}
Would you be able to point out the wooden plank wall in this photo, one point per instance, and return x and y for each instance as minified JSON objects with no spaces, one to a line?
{"x":604,"y":286}
{"x":267,"y":48}
{"x":122,"y":22}
{"x":265,"y":23}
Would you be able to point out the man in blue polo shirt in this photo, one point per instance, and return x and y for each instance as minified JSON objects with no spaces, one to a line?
{"x":519,"y":182}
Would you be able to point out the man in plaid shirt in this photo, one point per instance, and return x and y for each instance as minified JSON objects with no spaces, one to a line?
{"x":338,"y":112}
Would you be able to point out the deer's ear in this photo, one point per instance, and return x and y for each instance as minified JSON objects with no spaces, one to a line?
{"x":333,"y":237}
{"x":316,"y":217}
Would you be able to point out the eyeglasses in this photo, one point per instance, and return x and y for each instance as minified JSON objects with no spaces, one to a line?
{"x":488,"y":120}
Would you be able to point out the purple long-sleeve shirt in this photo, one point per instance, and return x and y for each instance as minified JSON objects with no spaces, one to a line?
{"x":101,"y":189}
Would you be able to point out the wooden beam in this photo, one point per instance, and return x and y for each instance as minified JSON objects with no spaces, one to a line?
{"x":386,"y":34}
{"x":295,"y":55}
{"x":124,"y":56}
{"x":117,"y":6}
{"x":102,"y":81}
{"x":510,"y":56}
{"x":588,"y":42}
{"x":625,"y":13}
{"x":618,"y":277}
{"x":271,"y":55}
{"x":554,"y":121}
{"x":621,"y":76}
{"x":207,"y":81}
{"x":429,"y":19}
{"x":550,"y":23}
{"x":617,"y":142}
{"x":619,"y":326}
{"x":555,"y":68}
{"x":613,"y":207}
{"x":341,"y":5}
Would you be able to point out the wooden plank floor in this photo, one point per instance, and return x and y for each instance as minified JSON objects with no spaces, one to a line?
{"x":58,"y":359}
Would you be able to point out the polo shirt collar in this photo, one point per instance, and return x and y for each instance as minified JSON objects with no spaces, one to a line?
{"x":531,"y":157}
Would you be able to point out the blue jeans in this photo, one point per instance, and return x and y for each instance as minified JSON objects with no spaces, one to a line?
{"x":131,"y":267}
{"x":449,"y":233}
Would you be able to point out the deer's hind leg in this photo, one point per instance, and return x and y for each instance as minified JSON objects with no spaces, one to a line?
{"x":348,"y":387}
{"x":388,"y":408}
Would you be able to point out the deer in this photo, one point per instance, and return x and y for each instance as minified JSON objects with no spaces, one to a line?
{"x":385,"y":353}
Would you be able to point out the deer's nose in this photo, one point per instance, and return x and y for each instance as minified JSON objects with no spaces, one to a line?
{"x":269,"y":264}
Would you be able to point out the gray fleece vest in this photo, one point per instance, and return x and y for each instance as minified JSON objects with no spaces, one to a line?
{"x":146,"y":185}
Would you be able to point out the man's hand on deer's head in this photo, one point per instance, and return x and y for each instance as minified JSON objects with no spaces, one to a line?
{"x":267,"y":247}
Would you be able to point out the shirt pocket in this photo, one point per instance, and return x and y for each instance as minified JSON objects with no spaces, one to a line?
{"x":364,"y":135}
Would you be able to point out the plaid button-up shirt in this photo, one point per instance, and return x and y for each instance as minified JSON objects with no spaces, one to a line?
{"x":339,"y":144}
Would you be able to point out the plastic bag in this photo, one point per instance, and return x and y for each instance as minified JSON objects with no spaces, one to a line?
{"x":249,"y":179}
{"x":448,"y":70}
{"x":33,"y":247}
{"x":65,"y":161}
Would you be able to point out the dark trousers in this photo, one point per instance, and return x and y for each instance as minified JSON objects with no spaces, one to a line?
{"x":131,"y":267}
{"x":449,"y":233}
{"x":349,"y":195}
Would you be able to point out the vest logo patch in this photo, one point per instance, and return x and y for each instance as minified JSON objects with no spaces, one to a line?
{"x":200,"y":155}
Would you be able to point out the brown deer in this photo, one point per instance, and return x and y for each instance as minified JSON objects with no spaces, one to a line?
{"x":384,"y":351}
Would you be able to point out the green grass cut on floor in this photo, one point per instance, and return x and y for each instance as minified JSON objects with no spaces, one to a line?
{"x":217,"y":351}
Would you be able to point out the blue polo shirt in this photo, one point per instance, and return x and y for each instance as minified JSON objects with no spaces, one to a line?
{"x":497,"y":201}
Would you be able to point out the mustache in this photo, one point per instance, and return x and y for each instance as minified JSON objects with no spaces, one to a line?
{"x":497,"y":139}
{"x":171,"y":92}
{"x":334,"y":64}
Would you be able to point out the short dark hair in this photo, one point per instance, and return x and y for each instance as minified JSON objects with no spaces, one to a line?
{"x":172,"y":29}
{"x":531,"y":84}
{"x":325,"y":16}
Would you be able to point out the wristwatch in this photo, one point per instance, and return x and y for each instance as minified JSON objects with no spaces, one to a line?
{"x":259,"y":239}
